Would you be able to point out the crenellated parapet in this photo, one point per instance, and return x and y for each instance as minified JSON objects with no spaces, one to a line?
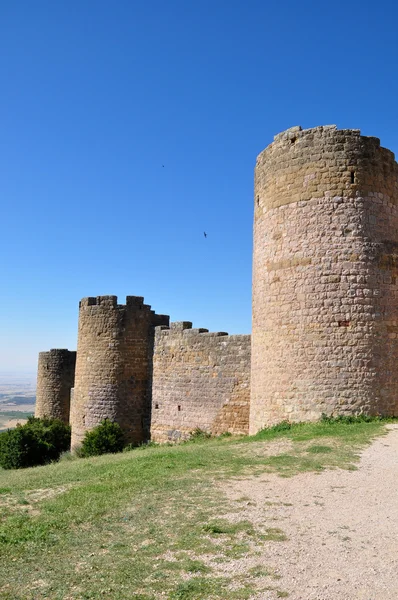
{"x":324,"y":323}
{"x":201,"y":379}
{"x":114,"y":366}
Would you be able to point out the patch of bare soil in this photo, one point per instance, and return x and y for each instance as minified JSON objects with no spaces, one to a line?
{"x":12,"y":423}
{"x":265,"y":449}
{"x":29,"y":499}
{"x":341,"y":528}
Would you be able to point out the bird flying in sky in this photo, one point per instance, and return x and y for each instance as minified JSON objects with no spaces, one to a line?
{"x":205,"y":234}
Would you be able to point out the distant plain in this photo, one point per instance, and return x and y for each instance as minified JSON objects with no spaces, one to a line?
{"x":17,"y":399}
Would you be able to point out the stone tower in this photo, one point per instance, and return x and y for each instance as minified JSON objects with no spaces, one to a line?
{"x":325,"y":277}
{"x":55,"y":377}
{"x":114,"y":366}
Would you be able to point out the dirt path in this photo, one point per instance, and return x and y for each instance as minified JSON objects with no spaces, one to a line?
{"x":342,"y":527}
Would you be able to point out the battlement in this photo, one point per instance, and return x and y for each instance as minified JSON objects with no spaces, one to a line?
{"x":185,"y":328}
{"x":200,"y":379}
{"x":135,"y":301}
{"x":57,"y":352}
{"x":180,"y":325}
{"x":113,"y":369}
{"x":133,"y":304}
{"x":98,"y":301}
{"x":325,"y":312}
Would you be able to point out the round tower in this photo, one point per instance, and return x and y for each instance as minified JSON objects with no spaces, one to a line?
{"x":325,"y":287}
{"x":114,"y":364}
{"x":55,"y":377}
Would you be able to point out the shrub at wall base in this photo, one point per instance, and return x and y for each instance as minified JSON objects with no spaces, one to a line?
{"x":104,"y":439}
{"x":38,"y":442}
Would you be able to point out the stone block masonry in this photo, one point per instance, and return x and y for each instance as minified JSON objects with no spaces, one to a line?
{"x":200,"y":380}
{"x":325,"y":312}
{"x":55,"y":377}
{"x":325,"y":288}
{"x":114,"y":366}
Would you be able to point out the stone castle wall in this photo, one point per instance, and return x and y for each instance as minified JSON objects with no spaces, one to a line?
{"x":325,"y":312}
{"x":114,"y":365}
{"x":55,"y":377}
{"x":325,"y":287}
{"x":200,"y":380}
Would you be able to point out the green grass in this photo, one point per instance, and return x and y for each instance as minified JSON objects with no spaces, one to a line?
{"x":317,"y":449}
{"x":261,"y":571}
{"x":225,"y":527}
{"x":151,"y":523}
{"x":206,"y":588}
{"x":273,"y":534}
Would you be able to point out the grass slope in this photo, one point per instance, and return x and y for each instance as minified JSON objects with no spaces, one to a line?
{"x":150,"y":524}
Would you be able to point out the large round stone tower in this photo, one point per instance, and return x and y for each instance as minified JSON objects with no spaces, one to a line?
{"x":55,"y":377}
{"x":325,"y":277}
{"x":114,"y":366}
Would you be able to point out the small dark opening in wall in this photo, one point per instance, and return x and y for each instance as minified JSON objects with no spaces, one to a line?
{"x":258,"y":200}
{"x":343,"y":323}
{"x":293,"y":140}
{"x":156,"y":406}
{"x":179,"y":408}
{"x":352,"y":176}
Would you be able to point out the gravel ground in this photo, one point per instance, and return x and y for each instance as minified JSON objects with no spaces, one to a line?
{"x":341,"y":527}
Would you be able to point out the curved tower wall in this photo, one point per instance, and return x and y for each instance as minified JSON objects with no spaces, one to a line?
{"x":55,"y":377}
{"x":114,"y":364}
{"x":325,"y":277}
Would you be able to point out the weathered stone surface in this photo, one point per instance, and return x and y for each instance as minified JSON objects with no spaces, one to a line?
{"x":325,"y":266}
{"x":325,"y":312}
{"x":55,"y":377}
{"x":114,"y":366}
{"x":200,"y":380}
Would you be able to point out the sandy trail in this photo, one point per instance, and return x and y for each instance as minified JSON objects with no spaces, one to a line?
{"x":342,"y":527}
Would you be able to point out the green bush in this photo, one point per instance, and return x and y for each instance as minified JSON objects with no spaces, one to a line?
{"x":104,"y":439}
{"x":349,"y":419}
{"x":37,"y":442}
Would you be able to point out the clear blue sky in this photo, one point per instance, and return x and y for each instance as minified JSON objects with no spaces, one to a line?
{"x":97,"y":96}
